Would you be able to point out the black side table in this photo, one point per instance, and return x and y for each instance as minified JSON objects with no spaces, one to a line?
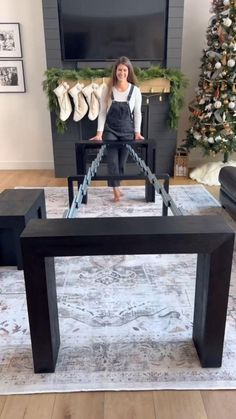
{"x":17,"y":207}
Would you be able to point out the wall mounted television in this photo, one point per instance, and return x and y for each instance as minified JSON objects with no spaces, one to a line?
{"x":103,"y":30}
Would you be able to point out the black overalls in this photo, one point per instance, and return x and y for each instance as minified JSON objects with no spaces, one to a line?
{"x":119,"y":126}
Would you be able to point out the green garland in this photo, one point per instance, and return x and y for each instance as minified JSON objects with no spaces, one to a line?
{"x":178,"y":83}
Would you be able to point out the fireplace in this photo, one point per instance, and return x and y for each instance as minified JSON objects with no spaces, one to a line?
{"x":155,"y":113}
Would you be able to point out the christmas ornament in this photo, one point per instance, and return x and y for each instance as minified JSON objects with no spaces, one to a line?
{"x":218,"y":104}
{"x":217,"y":65}
{"x":211,"y":140}
{"x":202,"y":101}
{"x":221,"y":33}
{"x":197,"y":136}
{"x":223,"y":86}
{"x":232,"y":46}
{"x":217,"y":92}
{"x":224,"y":60}
{"x":218,"y":117}
{"x":231,"y":105}
{"x":226,"y":2}
{"x":227,"y":22}
{"x":231,"y":63}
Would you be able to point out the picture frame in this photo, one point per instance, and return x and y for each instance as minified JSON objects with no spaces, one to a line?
{"x":12,"y":76}
{"x":10,"y":42}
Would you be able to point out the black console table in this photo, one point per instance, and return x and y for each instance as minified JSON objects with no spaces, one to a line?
{"x":17,"y":207}
{"x":83,"y":148}
{"x":208,"y":236}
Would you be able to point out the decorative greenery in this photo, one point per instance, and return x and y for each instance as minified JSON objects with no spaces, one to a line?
{"x":177,"y":84}
{"x":213,"y":110}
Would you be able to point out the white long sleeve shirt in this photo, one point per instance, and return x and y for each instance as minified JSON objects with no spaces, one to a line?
{"x":134,"y":104}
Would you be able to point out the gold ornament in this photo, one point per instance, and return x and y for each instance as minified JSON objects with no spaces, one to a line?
{"x":224,"y":59}
{"x":223,"y":86}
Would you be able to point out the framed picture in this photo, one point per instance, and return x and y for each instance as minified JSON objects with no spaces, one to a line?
{"x":12,"y":76}
{"x":10,"y":44}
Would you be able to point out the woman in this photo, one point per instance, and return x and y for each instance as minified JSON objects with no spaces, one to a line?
{"x":119,"y":117}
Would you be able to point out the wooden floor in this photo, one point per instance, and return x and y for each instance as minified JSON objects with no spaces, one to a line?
{"x":111,"y":405}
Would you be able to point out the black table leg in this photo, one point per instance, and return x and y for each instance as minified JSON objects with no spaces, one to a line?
{"x":211,"y":299}
{"x":41,"y":295}
{"x":150,"y":162}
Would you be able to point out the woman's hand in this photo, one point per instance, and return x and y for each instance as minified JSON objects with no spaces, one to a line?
{"x":98,"y":137}
{"x":138,"y":136}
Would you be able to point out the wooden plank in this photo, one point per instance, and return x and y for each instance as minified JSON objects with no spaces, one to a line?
{"x":2,"y":403}
{"x":36,"y":406}
{"x":79,"y":406}
{"x":219,"y":404}
{"x":129,"y":405}
{"x":15,"y":407}
{"x":179,"y":404}
{"x":156,"y":85}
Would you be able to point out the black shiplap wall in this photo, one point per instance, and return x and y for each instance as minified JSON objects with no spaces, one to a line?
{"x":63,"y":145}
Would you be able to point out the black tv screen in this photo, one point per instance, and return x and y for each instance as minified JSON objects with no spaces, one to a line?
{"x":103,"y":30}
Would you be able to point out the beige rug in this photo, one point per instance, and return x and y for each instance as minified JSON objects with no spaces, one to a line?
{"x":125,"y":321}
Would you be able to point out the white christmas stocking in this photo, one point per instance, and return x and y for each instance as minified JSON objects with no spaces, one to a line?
{"x":64,"y":101}
{"x":98,"y":91}
{"x":93,"y":102}
{"x":80,"y":103}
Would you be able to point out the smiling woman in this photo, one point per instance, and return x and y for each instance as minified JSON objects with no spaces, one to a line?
{"x":119,"y":118}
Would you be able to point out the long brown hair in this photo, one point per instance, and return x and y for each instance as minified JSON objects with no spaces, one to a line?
{"x":131,"y":76}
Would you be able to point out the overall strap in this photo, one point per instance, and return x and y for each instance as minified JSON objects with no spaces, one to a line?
{"x":129,"y":95}
{"x":130,"y":92}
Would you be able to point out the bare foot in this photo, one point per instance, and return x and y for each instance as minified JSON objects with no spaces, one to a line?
{"x":121,"y":193}
{"x":117,"y":194}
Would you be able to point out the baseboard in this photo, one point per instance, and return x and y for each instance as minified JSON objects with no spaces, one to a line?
{"x":26,"y":165}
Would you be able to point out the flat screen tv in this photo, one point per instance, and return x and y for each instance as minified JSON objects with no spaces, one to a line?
{"x":103,"y":30}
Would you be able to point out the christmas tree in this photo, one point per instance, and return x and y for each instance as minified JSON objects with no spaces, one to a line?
{"x":213,"y":111}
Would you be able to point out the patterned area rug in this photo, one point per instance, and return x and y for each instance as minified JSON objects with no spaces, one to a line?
{"x":125,"y":321}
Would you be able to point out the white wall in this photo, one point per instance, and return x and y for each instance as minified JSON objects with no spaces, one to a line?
{"x":25,"y":132}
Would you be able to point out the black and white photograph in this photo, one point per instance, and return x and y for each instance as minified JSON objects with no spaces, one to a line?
{"x":10,"y":43}
{"x":12,"y":77}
